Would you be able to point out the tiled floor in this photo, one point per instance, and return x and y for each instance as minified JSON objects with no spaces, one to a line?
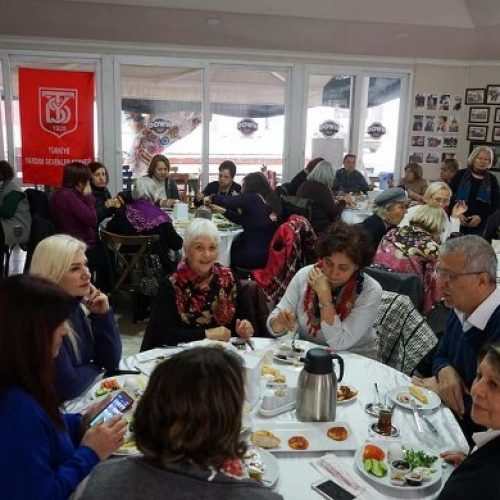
{"x":131,"y":333}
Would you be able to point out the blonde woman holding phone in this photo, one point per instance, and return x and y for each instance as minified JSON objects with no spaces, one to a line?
{"x":93,"y":344}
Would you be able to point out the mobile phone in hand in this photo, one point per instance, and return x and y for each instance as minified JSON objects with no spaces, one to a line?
{"x":332,"y":491}
{"x":117,"y":406}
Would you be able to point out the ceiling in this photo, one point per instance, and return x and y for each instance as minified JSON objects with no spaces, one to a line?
{"x":442,"y":29}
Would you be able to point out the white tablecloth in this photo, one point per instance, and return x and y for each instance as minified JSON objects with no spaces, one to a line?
{"x":355,"y":215}
{"x":296,"y":472}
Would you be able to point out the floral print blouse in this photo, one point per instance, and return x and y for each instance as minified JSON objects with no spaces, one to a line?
{"x":411,"y":249}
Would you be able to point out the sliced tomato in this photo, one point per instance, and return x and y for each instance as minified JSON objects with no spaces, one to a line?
{"x":372,"y":451}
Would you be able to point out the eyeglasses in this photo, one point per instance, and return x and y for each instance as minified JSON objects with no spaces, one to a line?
{"x":447,"y":275}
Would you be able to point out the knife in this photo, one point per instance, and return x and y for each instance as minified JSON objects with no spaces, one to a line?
{"x":416,"y":415}
{"x":431,"y":426}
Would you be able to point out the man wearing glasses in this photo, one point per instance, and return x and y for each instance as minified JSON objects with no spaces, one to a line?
{"x":467,"y":275}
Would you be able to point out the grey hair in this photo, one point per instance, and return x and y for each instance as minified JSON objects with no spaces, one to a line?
{"x":479,"y":255}
{"x":383,"y":210}
{"x":323,"y":173}
{"x":201,"y":227}
{"x":435,"y":187}
{"x":475,"y":152}
{"x":430,"y":218}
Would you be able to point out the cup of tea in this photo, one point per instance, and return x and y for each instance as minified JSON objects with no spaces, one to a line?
{"x":384,"y":424}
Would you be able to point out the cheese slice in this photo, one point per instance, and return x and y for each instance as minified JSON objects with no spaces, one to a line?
{"x":417,"y":393}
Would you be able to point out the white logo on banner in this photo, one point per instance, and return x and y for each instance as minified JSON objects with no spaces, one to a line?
{"x":58,"y":110}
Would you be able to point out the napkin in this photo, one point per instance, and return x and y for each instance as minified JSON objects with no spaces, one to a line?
{"x":336,"y":469}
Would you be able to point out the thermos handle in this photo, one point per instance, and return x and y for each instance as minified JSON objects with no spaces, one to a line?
{"x":341,"y":366}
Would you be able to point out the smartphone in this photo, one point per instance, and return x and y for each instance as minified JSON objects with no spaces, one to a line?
{"x":117,"y":406}
{"x":332,"y":491}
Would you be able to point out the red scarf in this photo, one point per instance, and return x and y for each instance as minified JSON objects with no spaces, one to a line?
{"x":343,"y":297}
{"x":202,"y":301}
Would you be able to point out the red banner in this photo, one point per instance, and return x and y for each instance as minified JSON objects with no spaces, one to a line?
{"x":57,"y":122}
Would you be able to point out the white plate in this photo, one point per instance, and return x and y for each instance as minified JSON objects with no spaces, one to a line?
{"x":130,"y":383}
{"x":386,"y":480}
{"x":289,"y":360}
{"x":344,"y":401}
{"x":314,"y":432}
{"x":434,"y":401}
{"x":271,"y":468}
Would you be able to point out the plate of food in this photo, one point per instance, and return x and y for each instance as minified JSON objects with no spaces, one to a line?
{"x":425,"y":399}
{"x":286,"y":353}
{"x":261,"y":466}
{"x":134,"y":385}
{"x":398,"y":465}
{"x":346,"y":394}
{"x":281,"y":437}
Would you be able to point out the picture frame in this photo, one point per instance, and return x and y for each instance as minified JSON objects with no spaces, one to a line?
{"x":493,"y":94}
{"x":479,"y":115}
{"x":495,"y":134}
{"x":496,"y":118}
{"x":475,"y":96}
{"x":477,"y":133}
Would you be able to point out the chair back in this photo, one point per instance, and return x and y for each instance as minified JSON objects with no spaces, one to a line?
{"x":295,"y":205}
{"x":403,"y":283}
{"x":404,"y":337}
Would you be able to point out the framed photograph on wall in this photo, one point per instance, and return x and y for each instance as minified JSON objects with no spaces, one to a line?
{"x":495,"y":136}
{"x":475,"y":96}
{"x":493,"y":94}
{"x":479,"y":115}
{"x":477,"y":132}
{"x":497,"y":115}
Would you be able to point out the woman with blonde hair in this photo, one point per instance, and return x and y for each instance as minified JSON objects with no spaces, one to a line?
{"x":414,"y":249}
{"x":414,"y":182}
{"x":439,"y":194}
{"x":477,"y":187}
{"x":93,"y":344}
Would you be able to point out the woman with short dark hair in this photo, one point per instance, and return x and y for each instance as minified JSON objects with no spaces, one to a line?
{"x":104,"y":202}
{"x":333,"y":302}
{"x":224,"y":186}
{"x":187,"y":425}
{"x":15,"y":216}
{"x":46,"y":453}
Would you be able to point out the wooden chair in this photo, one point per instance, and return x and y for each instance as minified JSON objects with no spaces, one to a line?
{"x":182,"y":181}
{"x":129,"y":261}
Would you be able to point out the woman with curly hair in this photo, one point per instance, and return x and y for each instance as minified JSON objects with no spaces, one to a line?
{"x":333,"y":302}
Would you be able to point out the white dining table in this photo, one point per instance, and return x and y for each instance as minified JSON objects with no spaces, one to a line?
{"x":296,"y":473}
{"x":355,"y":215}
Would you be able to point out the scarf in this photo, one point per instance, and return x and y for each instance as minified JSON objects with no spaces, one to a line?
{"x":203,"y":301}
{"x":145,"y":216}
{"x":484,"y":191}
{"x":343,"y":297}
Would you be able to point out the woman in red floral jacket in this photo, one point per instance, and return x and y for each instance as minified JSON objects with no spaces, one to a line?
{"x":201,"y":299}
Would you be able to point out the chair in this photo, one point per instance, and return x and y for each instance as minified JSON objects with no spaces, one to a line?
{"x":403,"y":283}
{"x":297,"y":205}
{"x":404,"y":337}
{"x":291,"y":249}
{"x":182,"y":181}
{"x":128,"y":261}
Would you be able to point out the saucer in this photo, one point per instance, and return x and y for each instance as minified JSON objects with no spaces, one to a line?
{"x":394,"y":430}
{"x":372,"y":409}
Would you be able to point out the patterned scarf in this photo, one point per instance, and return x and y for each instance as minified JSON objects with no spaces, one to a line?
{"x":144,"y":215}
{"x":343,"y":297}
{"x":484,"y":191}
{"x":203,"y":301}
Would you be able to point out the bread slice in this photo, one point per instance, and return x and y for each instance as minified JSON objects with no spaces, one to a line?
{"x":265,"y":439}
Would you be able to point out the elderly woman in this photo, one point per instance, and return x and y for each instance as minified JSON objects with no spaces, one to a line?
{"x":478,"y":188}
{"x":439,"y":195}
{"x":224,"y":186}
{"x":413,"y":181}
{"x":257,"y":210}
{"x":46,"y":453}
{"x":156,"y":186}
{"x":201,"y":299}
{"x":187,"y":425}
{"x":415,"y":249}
{"x":478,"y":474}
{"x":93,"y":344}
{"x":333,"y":302}
{"x":388,"y":211}
{"x":318,"y":187}
{"x":15,"y":217}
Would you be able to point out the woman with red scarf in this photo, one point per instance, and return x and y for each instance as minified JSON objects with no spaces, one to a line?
{"x":333,"y":302}
{"x":201,"y":299}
